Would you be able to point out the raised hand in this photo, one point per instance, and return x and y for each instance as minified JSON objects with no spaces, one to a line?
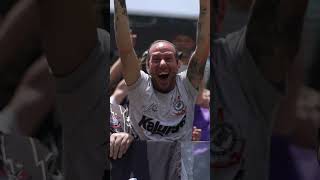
{"x":129,"y":59}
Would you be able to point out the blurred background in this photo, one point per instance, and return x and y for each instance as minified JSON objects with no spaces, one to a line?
{"x":294,"y":141}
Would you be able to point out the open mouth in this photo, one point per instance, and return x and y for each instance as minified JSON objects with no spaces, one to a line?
{"x":163,"y":76}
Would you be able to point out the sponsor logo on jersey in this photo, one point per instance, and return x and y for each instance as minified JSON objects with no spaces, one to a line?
{"x":152,"y":108}
{"x":155,"y":127}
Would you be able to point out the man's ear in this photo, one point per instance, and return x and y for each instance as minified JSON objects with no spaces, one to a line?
{"x":148,"y":65}
{"x":179,"y":57}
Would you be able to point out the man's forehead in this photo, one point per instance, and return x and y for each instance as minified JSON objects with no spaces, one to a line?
{"x":160,"y":44}
{"x":162,"y":47}
{"x":161,"y":53}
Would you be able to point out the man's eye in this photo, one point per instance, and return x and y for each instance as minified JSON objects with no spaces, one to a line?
{"x":156,"y":60}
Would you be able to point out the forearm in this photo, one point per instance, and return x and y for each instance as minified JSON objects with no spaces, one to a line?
{"x":273,"y":35}
{"x":69,"y":33}
{"x":203,"y":31}
{"x":278,"y":22}
{"x":122,"y":31}
{"x":115,"y":75}
{"x":33,"y":99}
{"x":198,"y":59}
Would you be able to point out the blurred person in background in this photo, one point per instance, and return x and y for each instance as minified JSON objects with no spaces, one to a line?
{"x":78,"y":54}
{"x":294,"y":141}
{"x":249,"y":74}
{"x":27,"y":89}
{"x":292,"y":154}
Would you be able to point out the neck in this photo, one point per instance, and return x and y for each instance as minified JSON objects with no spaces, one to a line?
{"x":161,"y":90}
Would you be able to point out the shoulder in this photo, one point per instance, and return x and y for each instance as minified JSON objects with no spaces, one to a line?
{"x":104,"y":39}
{"x":231,"y":43}
{"x":228,"y":50}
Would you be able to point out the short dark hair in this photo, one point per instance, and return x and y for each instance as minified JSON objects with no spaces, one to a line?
{"x":177,"y":53}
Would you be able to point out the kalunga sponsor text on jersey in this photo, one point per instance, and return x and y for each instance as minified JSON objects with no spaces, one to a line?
{"x":156,"y":128}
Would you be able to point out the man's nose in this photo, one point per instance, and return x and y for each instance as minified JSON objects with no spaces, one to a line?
{"x":163,"y":62}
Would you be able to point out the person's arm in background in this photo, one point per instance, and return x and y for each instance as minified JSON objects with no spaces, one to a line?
{"x":69,"y":32}
{"x":308,"y":104}
{"x":273,"y":39}
{"x":120,"y":93}
{"x":20,"y":44}
{"x":273,"y":36}
{"x":312,"y":76}
{"x":115,"y":73}
{"x":129,"y":59}
{"x":198,"y":59}
{"x":33,"y":99}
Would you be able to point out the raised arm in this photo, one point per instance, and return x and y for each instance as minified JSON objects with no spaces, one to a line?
{"x":69,"y":31}
{"x":33,"y":99}
{"x":129,"y":59}
{"x":273,"y":35}
{"x":199,"y":57}
{"x":19,"y":34}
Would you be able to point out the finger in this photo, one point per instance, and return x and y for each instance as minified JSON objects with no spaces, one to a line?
{"x":116,"y":147}
{"x":197,"y":136}
{"x":112,"y":141}
{"x":129,"y":141}
{"x":199,"y":131}
{"x":194,"y":138}
{"x":122,"y":147}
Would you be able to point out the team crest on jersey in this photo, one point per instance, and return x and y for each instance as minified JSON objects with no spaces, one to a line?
{"x":179,"y":106}
{"x":115,"y":120}
{"x":115,"y":123}
{"x":228,"y":144}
